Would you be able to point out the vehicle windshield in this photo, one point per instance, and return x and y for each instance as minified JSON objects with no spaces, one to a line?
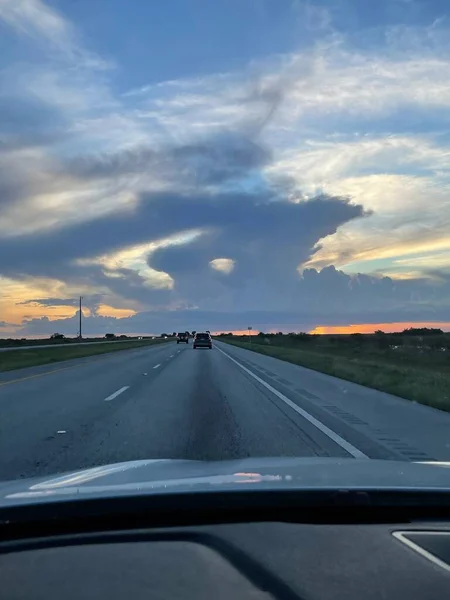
{"x":271,"y":175}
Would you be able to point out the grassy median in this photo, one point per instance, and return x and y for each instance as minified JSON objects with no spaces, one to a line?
{"x":411,"y":374}
{"x":18,"y":359}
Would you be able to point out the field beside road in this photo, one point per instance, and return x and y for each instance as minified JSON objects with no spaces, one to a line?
{"x":40,"y":356}
{"x":414,"y":367}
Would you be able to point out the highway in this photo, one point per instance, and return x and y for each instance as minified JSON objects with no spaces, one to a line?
{"x":170,"y":401}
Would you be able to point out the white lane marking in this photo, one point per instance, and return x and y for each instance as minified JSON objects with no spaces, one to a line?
{"x":156,"y":366}
{"x":171,"y":356}
{"x":323,"y":428}
{"x":400,"y":535}
{"x":122,"y":389}
{"x":61,"y":431}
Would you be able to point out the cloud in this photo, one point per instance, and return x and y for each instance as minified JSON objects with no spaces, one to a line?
{"x":235,"y":179}
{"x":211,"y":161}
{"x":266,"y":235}
{"x":34,"y":18}
{"x":328,"y":297}
{"x":403,"y":180}
{"x":223,"y":265}
{"x":50,"y":301}
{"x":385,"y":108}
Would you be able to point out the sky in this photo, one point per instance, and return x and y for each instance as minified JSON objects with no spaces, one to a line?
{"x":280,"y":164}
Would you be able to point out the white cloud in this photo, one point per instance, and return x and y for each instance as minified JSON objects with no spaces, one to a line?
{"x":316,"y":165}
{"x":37,"y":20}
{"x":331,"y":79}
{"x":136,"y":258}
{"x":223,"y":265}
{"x":34,"y":17}
{"x":409,"y":210}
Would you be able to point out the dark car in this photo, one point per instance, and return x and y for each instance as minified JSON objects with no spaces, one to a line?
{"x":182,"y":337}
{"x":202,"y":340}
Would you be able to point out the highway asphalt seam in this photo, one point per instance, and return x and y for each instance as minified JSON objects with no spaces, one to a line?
{"x":122,"y":389}
{"x":337,"y":439}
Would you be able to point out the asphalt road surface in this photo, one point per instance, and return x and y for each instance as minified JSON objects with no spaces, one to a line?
{"x":171,"y":401}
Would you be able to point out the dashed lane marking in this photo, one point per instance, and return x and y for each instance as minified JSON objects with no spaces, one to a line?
{"x":122,"y":389}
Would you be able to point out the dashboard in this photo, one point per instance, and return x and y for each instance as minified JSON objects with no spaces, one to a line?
{"x":257,"y":560}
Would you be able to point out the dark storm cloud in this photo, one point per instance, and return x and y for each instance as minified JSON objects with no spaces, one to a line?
{"x":267,"y":240}
{"x":50,"y":301}
{"x":329,"y":297}
{"x":265,"y":233}
{"x":263,"y":223}
{"x":304,"y":318}
{"x":91,"y":301}
{"x":213,"y":161}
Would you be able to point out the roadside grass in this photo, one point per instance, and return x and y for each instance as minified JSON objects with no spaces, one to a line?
{"x":18,"y":359}
{"x":420,"y":383}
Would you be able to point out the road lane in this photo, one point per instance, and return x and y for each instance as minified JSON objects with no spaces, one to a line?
{"x":195,"y":405}
{"x":379,"y":424}
{"x":352,"y":450}
{"x":34,"y":405}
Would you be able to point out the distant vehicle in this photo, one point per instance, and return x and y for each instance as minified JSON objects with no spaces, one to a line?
{"x":202,"y":340}
{"x":183,"y":337}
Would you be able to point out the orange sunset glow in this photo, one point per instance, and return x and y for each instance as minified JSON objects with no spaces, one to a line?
{"x":372,"y":327}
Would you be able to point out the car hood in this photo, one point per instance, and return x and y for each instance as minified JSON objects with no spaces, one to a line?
{"x":176,"y":476}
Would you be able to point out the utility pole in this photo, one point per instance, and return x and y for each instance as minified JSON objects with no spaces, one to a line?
{"x":81,"y":297}
{"x":249,"y":334}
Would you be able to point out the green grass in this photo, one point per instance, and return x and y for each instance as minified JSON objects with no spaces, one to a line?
{"x":17,"y":359}
{"x":420,"y":383}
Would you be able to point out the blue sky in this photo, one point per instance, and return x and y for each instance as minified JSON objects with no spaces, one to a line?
{"x":146,"y":145}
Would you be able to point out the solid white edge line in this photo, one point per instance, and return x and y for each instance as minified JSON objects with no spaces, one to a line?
{"x":122,"y":389}
{"x":156,"y":366}
{"x":399,"y":535}
{"x":337,"y":439}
